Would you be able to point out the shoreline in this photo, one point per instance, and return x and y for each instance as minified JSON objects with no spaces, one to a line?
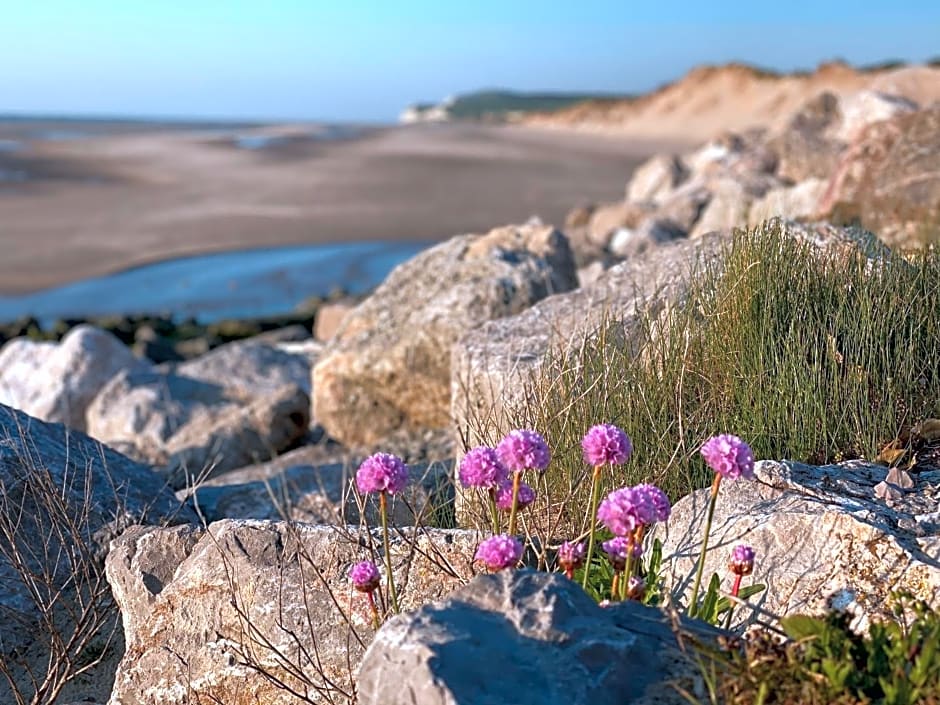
{"x":100,"y":205}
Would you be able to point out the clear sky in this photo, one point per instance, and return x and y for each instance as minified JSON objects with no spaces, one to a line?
{"x":358,"y":60}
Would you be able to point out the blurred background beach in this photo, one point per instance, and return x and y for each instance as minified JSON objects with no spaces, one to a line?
{"x":216,"y":159}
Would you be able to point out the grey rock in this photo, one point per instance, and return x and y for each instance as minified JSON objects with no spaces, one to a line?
{"x":525,"y":638}
{"x":57,"y":382}
{"x":94,"y":488}
{"x":656,"y":177}
{"x":299,"y":486}
{"x":388,"y":366}
{"x":807,"y":146}
{"x":239,"y":404}
{"x":652,"y":232}
{"x":203,"y":610}
{"x":794,"y":202}
{"x":817,"y":532}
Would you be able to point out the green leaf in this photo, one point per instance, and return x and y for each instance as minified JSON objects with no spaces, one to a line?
{"x":800,"y":626}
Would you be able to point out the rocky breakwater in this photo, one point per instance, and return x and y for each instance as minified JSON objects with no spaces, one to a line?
{"x":865,"y":156}
{"x":387,"y":368}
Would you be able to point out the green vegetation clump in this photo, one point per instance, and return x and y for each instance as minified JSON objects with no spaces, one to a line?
{"x":824,"y":661}
{"x":807,"y":354}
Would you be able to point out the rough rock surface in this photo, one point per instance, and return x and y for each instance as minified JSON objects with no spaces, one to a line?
{"x":527,"y":638}
{"x":794,"y":202}
{"x":189,"y":598}
{"x":889,"y":178}
{"x":329,"y":318}
{"x":388,"y":366}
{"x":237,"y":405}
{"x":861,"y":109}
{"x":608,"y":218}
{"x":57,"y":382}
{"x":493,"y":366}
{"x":806,"y":148}
{"x":653,"y":232}
{"x":820,"y":534}
{"x":300,"y":486}
{"x":727,"y":208}
{"x":100,"y":491}
{"x":655,"y":178}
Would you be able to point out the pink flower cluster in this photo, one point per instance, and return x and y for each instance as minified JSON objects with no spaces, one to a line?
{"x":499,"y":552}
{"x":627,"y":509}
{"x":481,"y":467}
{"x":382,"y":472}
{"x":365,"y":576}
{"x":742,"y":560}
{"x":729,"y":456}
{"x":523,"y":449}
{"x":605,"y":444}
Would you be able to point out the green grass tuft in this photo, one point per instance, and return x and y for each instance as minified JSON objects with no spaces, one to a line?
{"x":807,"y":355}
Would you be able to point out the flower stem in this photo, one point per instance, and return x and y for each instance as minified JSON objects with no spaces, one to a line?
{"x":615,"y":587}
{"x":592,"y":508}
{"x":375,"y":611}
{"x":494,"y":510}
{"x":627,"y":572}
{"x":516,"y":480}
{"x":734,"y":593}
{"x":693,"y":606}
{"x":383,"y":510}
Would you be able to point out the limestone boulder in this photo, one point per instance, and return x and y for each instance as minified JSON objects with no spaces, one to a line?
{"x":889,"y":180}
{"x":653,"y":232}
{"x":861,"y":109}
{"x":65,"y":496}
{"x":57,"y":382}
{"x":526,"y":638}
{"x":823,"y":536}
{"x":808,"y":145}
{"x":388,"y":366}
{"x":237,"y":405}
{"x":608,"y":218}
{"x":329,"y":318}
{"x":728,"y":208}
{"x":301,"y":486}
{"x":797,"y":202}
{"x":685,"y":205}
{"x":244,"y":610}
{"x":656,"y":177}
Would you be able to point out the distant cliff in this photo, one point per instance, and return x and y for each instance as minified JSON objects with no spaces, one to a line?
{"x":495,"y":105}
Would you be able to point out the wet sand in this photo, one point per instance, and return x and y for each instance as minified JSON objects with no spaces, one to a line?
{"x":84,"y":204}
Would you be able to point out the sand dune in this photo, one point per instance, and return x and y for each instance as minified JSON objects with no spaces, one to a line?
{"x":709,"y":100}
{"x":105,"y":202}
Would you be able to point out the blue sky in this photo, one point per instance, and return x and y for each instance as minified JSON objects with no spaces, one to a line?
{"x":357,"y":60}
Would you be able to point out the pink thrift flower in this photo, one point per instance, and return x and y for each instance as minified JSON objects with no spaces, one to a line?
{"x":571,"y":555}
{"x":616,"y":550}
{"x":499,"y":552}
{"x":381,"y":472}
{"x":729,"y":456}
{"x":655,"y":505}
{"x":504,"y":496}
{"x":605,"y":444}
{"x":524,"y":450}
{"x":742,"y":560}
{"x":365,"y":576}
{"x":481,"y":467}
{"x":620,"y":511}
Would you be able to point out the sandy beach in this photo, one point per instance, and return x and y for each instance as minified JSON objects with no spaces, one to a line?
{"x":89,"y":203}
